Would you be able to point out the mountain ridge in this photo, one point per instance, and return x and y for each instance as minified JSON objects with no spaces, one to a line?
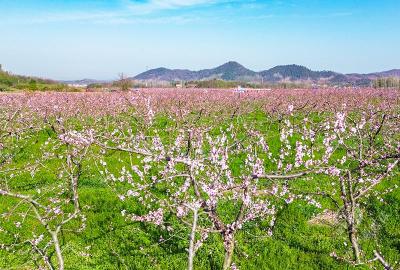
{"x":233,"y":71}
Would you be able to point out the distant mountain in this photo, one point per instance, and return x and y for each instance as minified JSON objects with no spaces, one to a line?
{"x":233,"y":71}
{"x":295,"y":73}
{"x":229,"y":71}
{"x":164,"y":74}
{"x":389,"y":73}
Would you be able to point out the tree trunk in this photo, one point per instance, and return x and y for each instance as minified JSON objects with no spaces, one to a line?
{"x":57,"y":247}
{"x":349,"y":211}
{"x":192,"y":240}
{"x":229,"y":254}
{"x":354,"y":243}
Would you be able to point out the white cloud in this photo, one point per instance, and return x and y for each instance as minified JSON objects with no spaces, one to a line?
{"x":69,"y":17}
{"x":158,"y":5}
{"x":132,"y":12}
{"x":143,"y":20}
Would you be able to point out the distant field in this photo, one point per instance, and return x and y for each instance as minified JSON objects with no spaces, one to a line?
{"x":200,"y":179}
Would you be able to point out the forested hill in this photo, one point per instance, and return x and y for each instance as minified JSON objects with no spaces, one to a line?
{"x":233,"y":71}
{"x":10,"y":82}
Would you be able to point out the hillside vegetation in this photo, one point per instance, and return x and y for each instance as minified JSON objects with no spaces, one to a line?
{"x":11,"y":82}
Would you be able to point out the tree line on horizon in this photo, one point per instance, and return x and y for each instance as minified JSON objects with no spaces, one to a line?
{"x":388,"y":82}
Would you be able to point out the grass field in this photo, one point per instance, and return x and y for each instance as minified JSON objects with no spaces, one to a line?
{"x":262,"y":172}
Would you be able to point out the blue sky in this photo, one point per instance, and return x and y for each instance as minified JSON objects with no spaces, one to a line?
{"x":99,"y":39}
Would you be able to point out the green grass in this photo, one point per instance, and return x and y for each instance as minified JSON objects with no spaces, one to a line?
{"x":114,"y":243}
